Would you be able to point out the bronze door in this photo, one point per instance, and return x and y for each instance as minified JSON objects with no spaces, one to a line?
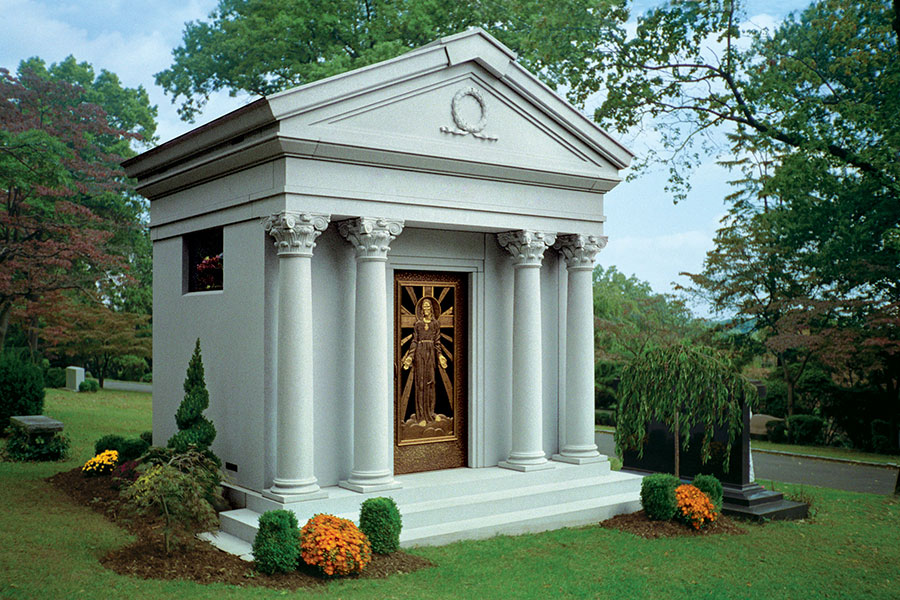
{"x":430,"y":400}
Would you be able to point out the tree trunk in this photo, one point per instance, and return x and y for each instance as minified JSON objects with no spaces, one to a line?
{"x":5,"y":309}
{"x":677,"y":449}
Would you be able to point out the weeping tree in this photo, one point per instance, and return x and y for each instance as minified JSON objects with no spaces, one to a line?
{"x":681,"y":386}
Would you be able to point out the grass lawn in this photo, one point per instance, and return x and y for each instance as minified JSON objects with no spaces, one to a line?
{"x":49,"y":548}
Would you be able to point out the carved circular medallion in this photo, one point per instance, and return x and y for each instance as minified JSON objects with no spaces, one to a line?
{"x":455,"y":109}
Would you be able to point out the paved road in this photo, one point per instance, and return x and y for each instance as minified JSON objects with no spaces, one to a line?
{"x":127,"y":386}
{"x":793,"y":469}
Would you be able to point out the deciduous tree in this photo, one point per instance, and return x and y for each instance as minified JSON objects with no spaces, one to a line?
{"x":265,"y":46}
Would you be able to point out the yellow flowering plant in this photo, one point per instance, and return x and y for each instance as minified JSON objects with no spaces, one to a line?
{"x":335,"y":546}
{"x":694,"y":507}
{"x":102,"y":464}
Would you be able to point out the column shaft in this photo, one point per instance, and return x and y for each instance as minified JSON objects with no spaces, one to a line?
{"x":579,"y":447}
{"x":527,"y":452}
{"x":373,"y":469}
{"x":295,"y":235}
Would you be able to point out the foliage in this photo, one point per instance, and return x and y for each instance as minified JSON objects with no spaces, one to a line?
{"x":61,"y":186}
{"x":658,"y":496}
{"x":193,"y":428}
{"x":89,"y":385}
{"x":128,"y":449}
{"x":22,"y":446}
{"x":553,"y":39}
{"x":333,"y":545}
{"x":200,"y":465}
{"x":694,"y":507}
{"x":805,"y":429}
{"x":55,"y":377}
{"x":712,"y":487}
{"x":127,"y":471}
{"x":101,"y":464}
{"x":108,"y":442}
{"x":276,"y":547}
{"x":176,"y":490}
{"x":776,"y":431}
{"x":147,"y":436}
{"x":96,"y":335}
{"x":681,"y":386}
{"x":628,"y":319}
{"x":379,"y":519}
{"x":130,"y":367}
{"x":21,"y":388}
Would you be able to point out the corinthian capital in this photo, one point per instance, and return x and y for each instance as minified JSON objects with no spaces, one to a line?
{"x":579,"y":250}
{"x":371,"y":237}
{"x":295,"y":233}
{"x":527,"y":247}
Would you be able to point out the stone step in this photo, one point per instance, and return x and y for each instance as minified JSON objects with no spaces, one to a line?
{"x":435,"y":485}
{"x":229,"y":543}
{"x":477,"y":502}
{"x":534,"y":520}
{"x":475,"y":505}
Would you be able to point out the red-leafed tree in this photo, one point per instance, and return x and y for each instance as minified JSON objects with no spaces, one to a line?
{"x":91,"y":333}
{"x":51,"y":160}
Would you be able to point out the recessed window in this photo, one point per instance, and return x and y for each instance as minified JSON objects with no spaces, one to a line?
{"x":203,"y":260}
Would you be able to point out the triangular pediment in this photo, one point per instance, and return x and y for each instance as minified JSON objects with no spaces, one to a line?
{"x":460,"y":105}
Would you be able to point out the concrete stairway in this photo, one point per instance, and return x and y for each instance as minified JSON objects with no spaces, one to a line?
{"x":439,"y":507}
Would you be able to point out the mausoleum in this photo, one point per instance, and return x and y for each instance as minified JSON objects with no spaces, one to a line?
{"x":389,"y":272}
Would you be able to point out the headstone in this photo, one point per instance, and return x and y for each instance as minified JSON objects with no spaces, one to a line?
{"x":74,"y":377}
{"x":37,"y":424}
{"x":758,"y":425}
{"x":742,"y":497}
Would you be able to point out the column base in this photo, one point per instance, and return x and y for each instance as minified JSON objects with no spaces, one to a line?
{"x":278,"y":495}
{"x":580,"y":460}
{"x":526,"y":467}
{"x":365,"y":488}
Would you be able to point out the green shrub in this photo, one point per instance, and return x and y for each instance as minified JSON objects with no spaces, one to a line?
{"x":89,"y":385}
{"x":147,"y":436}
{"x":806,"y":429}
{"x":130,"y":367}
{"x":712,"y":487}
{"x":658,"y":496}
{"x":276,"y":547}
{"x":776,"y":431}
{"x":132,"y":449}
{"x":22,"y":446}
{"x":109,"y":442}
{"x":193,"y":428}
{"x":147,"y":377}
{"x":379,"y":519}
{"x":178,"y":491}
{"x":605,"y":417}
{"x":55,"y":377}
{"x":21,"y":388}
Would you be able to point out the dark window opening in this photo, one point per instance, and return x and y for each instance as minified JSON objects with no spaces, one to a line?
{"x":204,"y":260}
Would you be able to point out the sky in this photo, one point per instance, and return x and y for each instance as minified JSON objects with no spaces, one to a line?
{"x":648,"y":235}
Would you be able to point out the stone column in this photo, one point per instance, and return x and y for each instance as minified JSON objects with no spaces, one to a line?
{"x":579,"y":252}
{"x":527,"y":248}
{"x":295,"y":237}
{"x":373,"y":469}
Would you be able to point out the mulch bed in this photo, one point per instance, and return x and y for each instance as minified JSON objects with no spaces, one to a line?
{"x":638,"y":524}
{"x":198,"y":560}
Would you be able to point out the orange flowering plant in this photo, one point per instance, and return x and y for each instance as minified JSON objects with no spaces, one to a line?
{"x":336,"y":546}
{"x":694,"y":507}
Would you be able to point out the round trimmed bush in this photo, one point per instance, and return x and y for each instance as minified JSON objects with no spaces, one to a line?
{"x":21,"y":389}
{"x":806,"y":429}
{"x":658,"y":496}
{"x":132,"y":449}
{"x":147,"y":436}
{"x":709,"y":485}
{"x":333,"y":545}
{"x":109,"y":442}
{"x":379,"y":519}
{"x":55,"y":377}
{"x":276,"y":547}
{"x":89,"y":385}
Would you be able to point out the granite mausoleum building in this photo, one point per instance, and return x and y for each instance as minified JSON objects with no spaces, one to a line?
{"x":390,"y":274}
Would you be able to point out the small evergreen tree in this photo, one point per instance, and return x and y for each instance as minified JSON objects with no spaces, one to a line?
{"x":193,"y":428}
